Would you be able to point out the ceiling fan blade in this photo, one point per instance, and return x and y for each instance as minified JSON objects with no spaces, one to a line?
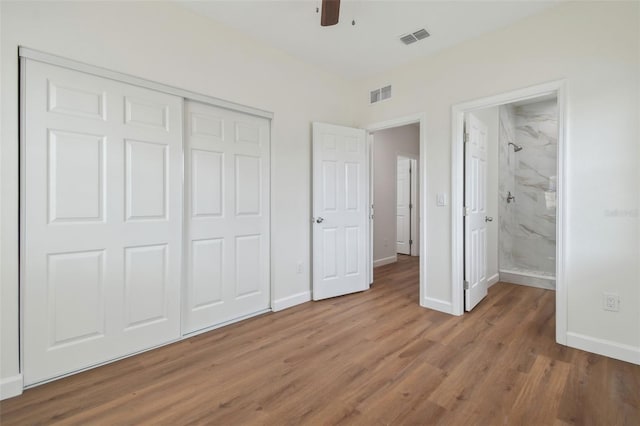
{"x":330,"y":12}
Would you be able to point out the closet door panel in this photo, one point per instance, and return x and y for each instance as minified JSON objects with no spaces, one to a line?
{"x":101,"y":219}
{"x":227,"y":220}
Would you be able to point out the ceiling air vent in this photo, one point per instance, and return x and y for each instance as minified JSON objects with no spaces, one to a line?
{"x":380,"y":94}
{"x":415,"y":36}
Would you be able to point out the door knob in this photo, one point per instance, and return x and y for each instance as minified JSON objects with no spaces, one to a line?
{"x":320,"y":220}
{"x":488,"y":219}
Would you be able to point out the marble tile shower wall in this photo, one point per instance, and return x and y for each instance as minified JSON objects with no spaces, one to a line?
{"x":528,"y":222}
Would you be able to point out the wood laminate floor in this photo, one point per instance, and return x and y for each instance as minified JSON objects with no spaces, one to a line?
{"x":371,"y":358}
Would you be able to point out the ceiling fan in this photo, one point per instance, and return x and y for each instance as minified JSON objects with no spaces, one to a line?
{"x":330,"y":12}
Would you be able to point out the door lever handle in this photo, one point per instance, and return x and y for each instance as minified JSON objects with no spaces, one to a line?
{"x":319,"y":220}
{"x":488,"y":219}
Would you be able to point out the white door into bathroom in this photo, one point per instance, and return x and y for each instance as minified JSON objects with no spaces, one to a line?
{"x":475,"y":214}
{"x":513,"y":222}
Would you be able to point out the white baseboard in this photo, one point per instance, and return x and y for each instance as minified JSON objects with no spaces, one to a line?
{"x":604,"y":347}
{"x":493,"y":279}
{"x":438,"y":305}
{"x":531,"y":280}
{"x":289,"y":301}
{"x":385,"y":260}
{"x":11,"y":386}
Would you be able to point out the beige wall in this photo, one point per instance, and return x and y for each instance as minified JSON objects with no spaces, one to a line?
{"x":166,"y":43}
{"x":602,"y":70}
{"x":387,"y":145}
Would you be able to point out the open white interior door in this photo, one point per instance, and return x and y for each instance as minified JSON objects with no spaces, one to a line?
{"x":403,"y":205}
{"x":475,"y":201}
{"x":340,"y":211}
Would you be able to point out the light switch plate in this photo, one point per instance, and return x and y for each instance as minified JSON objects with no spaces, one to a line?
{"x":441,"y":199}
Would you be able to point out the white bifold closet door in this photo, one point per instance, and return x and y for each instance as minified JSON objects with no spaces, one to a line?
{"x":227,"y":216}
{"x":101,"y":213}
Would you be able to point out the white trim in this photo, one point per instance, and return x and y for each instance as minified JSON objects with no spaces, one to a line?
{"x":411,"y":119}
{"x":530,"y":280}
{"x":527,"y":274}
{"x":457,"y":196}
{"x":216,"y":326}
{"x":603,"y":347}
{"x":385,"y":261}
{"x":438,"y":305}
{"x":48,"y":58}
{"x":370,"y":206}
{"x":493,"y":279}
{"x":293,"y":300}
{"x":11,"y":386}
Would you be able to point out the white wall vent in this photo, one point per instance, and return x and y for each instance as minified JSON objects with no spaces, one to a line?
{"x":414,"y":36}
{"x":380,"y":94}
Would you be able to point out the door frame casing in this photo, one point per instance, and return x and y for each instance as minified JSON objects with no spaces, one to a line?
{"x":559,"y":88}
{"x":421,"y":119}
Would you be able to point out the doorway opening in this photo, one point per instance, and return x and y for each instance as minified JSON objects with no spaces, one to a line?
{"x":343,"y":207}
{"x":395,"y":189}
{"x":508,"y":184}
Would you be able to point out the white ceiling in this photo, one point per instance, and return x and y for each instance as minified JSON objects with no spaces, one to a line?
{"x":372,"y":45}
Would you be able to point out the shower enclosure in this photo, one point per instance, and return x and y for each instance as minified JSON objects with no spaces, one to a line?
{"x":528,"y":141}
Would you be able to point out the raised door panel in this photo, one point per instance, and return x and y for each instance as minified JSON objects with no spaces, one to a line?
{"x":146,"y":113}
{"x":248,"y":270}
{"x":207,"y":269}
{"x":146,"y":180}
{"x":329,"y":253}
{"x":146,"y":280}
{"x":76,"y":99}
{"x":248,"y":189}
{"x":352,"y":250}
{"x":247,"y":133}
{"x":352,"y":186}
{"x":76,"y":297}
{"x":76,"y":165}
{"x":329,"y":187}
{"x":207,"y":188}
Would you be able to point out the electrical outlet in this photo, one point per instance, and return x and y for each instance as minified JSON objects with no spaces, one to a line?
{"x":300,"y":268}
{"x":610,"y":302}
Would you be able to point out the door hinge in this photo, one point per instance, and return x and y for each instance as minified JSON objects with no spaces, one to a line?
{"x":465,"y":137}
{"x":466,"y":285}
{"x":466,"y":211}
{"x":410,"y":206}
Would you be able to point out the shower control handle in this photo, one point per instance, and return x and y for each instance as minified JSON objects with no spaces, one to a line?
{"x":488,"y":219}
